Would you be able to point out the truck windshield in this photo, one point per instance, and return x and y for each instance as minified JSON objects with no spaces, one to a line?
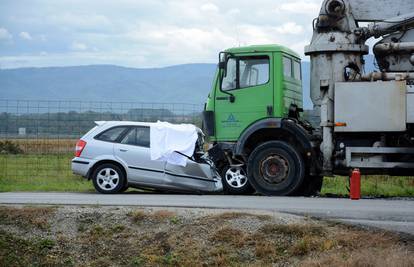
{"x":245,"y":72}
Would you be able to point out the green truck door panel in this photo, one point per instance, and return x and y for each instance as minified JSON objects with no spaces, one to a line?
{"x":253,"y":93}
{"x":292,"y":84}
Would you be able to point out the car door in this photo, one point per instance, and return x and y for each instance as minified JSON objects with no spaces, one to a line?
{"x":194,"y":176}
{"x":248,"y":81}
{"x":134,"y":150}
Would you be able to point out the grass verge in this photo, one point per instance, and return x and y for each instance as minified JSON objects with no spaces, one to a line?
{"x":374,"y":185}
{"x":40,"y":172}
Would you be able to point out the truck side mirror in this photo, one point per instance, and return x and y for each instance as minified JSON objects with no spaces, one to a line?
{"x":222,"y":65}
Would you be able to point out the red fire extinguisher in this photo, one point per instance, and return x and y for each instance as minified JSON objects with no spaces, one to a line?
{"x":355,"y":185}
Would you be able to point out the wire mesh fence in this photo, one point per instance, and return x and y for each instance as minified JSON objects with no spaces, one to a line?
{"x":37,"y":138}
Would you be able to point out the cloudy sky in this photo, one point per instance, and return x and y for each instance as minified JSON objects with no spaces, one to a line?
{"x":140,"y":33}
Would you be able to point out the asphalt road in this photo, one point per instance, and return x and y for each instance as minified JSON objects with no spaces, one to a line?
{"x":394,"y":215}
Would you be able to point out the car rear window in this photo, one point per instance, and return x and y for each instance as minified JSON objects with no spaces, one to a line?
{"x":112,"y":134}
{"x":137,"y":136}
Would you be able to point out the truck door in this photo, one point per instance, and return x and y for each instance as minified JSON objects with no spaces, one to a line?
{"x":244,"y":95}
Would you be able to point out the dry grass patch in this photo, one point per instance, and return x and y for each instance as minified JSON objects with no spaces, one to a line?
{"x":137,"y":216}
{"x":306,"y":245}
{"x":144,"y":237}
{"x":264,"y":249}
{"x":392,"y":257}
{"x":162,"y":215}
{"x":296,"y":230}
{"x":238,"y":215}
{"x":27,"y":216}
{"x":45,"y":145}
{"x":234,"y":237}
{"x":140,"y":216}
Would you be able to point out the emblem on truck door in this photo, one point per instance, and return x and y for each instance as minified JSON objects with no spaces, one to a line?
{"x":231,"y":121}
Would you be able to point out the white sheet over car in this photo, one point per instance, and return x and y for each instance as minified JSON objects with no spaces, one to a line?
{"x":167,"y":138}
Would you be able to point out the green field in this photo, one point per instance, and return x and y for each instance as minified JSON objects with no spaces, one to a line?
{"x":51,"y":172}
{"x":376,"y":186}
{"x":39,"y":172}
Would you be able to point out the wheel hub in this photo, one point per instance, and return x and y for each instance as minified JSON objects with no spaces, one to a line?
{"x":107,"y":179}
{"x":236,"y":177}
{"x":274,"y":169}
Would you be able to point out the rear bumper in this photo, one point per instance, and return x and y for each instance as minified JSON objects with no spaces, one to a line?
{"x":81,"y":166}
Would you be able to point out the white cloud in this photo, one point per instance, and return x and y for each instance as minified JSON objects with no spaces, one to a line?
{"x":300,"y":7}
{"x":25,"y":36}
{"x":180,"y":44}
{"x":77,"y":46}
{"x":82,"y":21}
{"x":5,"y":36}
{"x":209,"y":7}
{"x":151,"y":33}
{"x":289,"y":28}
{"x":233,"y":12}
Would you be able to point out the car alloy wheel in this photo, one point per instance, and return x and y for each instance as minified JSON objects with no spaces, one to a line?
{"x":236,"y":177}
{"x":107,"y":179}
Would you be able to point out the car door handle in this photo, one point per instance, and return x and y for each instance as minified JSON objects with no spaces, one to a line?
{"x":123,"y":150}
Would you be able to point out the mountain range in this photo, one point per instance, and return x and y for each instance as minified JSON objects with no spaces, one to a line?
{"x":188,"y":83}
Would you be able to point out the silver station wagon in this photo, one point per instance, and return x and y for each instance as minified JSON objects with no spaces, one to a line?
{"x":115,"y":155}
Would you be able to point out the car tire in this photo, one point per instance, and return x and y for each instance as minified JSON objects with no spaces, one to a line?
{"x":108,"y":179}
{"x":311,"y":186}
{"x":125,"y":188}
{"x":235,"y":182}
{"x":275,"y":168}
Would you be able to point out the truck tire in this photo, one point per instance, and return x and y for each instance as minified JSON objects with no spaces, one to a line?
{"x":275,"y":168}
{"x":311,"y":186}
{"x":235,"y":181}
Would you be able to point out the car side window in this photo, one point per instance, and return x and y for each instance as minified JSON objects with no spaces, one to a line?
{"x":112,"y":134}
{"x":137,"y":136}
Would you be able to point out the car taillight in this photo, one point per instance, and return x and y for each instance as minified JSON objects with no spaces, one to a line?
{"x":80,"y":145}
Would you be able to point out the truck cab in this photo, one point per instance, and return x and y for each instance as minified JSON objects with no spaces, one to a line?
{"x":254,"y":83}
{"x":255,"y":100}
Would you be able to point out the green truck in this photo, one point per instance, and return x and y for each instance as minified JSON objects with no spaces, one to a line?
{"x":252,"y":119}
{"x":365,"y":119}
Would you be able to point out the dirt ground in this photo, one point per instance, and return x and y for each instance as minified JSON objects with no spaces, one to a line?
{"x":130,"y":236}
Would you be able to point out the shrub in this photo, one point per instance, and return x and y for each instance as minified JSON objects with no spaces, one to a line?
{"x":8,"y":147}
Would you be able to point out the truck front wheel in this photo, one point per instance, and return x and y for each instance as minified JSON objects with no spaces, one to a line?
{"x":275,"y":168}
